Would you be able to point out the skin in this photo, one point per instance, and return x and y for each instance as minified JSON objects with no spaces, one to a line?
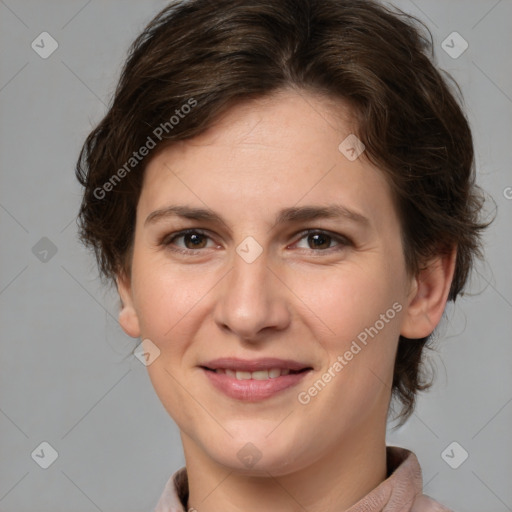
{"x":295,"y":301}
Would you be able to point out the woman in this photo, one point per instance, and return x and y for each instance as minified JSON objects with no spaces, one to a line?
{"x":283,"y":193}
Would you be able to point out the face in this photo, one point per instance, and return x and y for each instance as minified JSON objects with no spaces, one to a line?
{"x":268,"y":275}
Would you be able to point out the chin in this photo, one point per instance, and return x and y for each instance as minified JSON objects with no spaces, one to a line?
{"x":253,"y":462}
{"x":254,"y":454}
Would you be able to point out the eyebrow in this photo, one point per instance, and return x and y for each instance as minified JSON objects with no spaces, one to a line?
{"x":285,"y":216}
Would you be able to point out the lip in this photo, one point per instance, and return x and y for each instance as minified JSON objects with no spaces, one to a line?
{"x":252,"y":390}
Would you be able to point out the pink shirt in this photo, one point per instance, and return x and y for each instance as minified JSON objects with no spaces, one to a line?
{"x":400,"y":492}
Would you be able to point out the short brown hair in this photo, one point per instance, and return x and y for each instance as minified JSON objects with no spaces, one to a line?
{"x":209,"y":55}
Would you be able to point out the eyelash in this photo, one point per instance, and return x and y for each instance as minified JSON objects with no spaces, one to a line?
{"x":168,"y":239}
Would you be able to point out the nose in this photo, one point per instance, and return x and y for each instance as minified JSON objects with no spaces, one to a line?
{"x":252,"y":301}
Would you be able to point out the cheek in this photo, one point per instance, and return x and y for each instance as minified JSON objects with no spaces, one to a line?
{"x":358,"y":326}
{"x":344,"y":303}
{"x":166,"y":299}
{"x":168,"y":305}
{"x":357,"y":322}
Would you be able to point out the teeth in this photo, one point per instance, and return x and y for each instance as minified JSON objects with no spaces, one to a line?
{"x":260,"y":375}
{"x":257,"y":375}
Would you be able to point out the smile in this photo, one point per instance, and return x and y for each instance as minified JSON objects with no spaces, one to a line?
{"x":257,"y":375}
{"x":254,"y":380}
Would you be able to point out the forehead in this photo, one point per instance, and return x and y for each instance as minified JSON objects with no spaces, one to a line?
{"x":281,"y":123}
{"x":275,"y":152}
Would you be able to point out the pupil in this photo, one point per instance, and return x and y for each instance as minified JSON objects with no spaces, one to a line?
{"x":195,"y":239}
{"x":322,"y":239}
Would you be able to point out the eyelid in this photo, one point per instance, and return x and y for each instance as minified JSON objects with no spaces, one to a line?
{"x":341,"y":240}
{"x":170,"y":237}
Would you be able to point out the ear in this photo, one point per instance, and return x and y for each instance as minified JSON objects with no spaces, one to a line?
{"x":128,"y":318}
{"x":428,"y":297}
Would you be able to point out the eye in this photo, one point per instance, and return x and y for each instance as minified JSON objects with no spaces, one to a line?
{"x":187,"y":240}
{"x":322,"y":240}
{"x":190,"y":240}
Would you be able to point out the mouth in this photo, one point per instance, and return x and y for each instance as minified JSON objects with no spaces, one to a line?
{"x":254,"y":380}
{"x":273,"y":373}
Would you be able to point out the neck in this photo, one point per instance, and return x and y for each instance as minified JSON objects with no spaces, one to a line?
{"x":336,"y":481}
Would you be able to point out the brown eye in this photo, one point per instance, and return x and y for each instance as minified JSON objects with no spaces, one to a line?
{"x":194,"y":240}
{"x":322,"y":241}
{"x":319,"y":241}
{"x":188,"y":240}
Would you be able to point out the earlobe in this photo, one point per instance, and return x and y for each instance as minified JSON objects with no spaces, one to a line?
{"x":128,"y":318}
{"x":429,"y":294}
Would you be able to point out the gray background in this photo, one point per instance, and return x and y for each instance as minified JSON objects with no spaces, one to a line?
{"x":64,"y":376}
